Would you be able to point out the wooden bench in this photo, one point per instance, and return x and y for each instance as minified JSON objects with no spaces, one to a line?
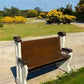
{"x":38,"y":53}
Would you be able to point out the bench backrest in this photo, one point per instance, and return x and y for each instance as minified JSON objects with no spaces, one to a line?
{"x":40,"y":52}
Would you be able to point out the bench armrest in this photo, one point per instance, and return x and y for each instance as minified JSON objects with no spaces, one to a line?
{"x":24,"y":62}
{"x":68,"y":50}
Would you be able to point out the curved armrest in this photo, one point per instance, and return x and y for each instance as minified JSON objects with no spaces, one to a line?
{"x":67,"y":50}
{"x":24,"y":62}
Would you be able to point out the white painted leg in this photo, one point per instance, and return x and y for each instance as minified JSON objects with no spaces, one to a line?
{"x":20,"y":71}
{"x":19,"y":74}
{"x":24,"y":74}
{"x":62,"y":41}
{"x":64,"y":65}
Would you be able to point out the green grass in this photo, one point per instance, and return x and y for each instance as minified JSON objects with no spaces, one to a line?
{"x":30,"y":30}
{"x":70,"y":78}
{"x":0,"y":18}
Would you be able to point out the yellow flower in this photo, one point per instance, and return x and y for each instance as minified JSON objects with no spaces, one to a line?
{"x":7,"y":19}
{"x":19,"y":19}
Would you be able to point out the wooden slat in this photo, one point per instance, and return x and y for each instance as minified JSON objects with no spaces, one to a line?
{"x":41,"y":52}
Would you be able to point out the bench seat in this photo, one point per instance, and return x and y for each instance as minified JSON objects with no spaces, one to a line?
{"x":40,"y":63}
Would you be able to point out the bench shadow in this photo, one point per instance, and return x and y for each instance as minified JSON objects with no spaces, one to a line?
{"x":13,"y":70}
{"x":37,"y":72}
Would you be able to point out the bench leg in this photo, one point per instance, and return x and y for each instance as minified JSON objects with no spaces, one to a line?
{"x":22,"y":72}
{"x":19,"y":73}
{"x":64,"y":65}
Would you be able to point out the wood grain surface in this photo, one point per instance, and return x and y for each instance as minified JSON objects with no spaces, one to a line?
{"x":41,"y":52}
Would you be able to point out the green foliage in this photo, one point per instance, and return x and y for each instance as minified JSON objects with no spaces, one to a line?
{"x":1,"y":25}
{"x":1,"y":13}
{"x":13,"y":11}
{"x":68,"y":10}
{"x":23,"y":13}
{"x":81,"y":2}
{"x":80,"y":10}
{"x":74,"y":77}
{"x":43,"y":15}
{"x":61,"y":9}
{"x":0,"y":18}
{"x":32,"y":13}
{"x":38,"y":9}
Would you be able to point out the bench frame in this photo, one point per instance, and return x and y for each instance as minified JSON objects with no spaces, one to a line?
{"x":22,"y":68}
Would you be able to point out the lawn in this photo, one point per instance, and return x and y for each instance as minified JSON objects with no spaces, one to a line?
{"x":70,"y":78}
{"x":35,"y":29}
{"x":1,"y":18}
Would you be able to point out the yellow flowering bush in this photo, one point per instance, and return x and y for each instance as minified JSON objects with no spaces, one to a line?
{"x":19,"y":19}
{"x":43,"y":15}
{"x":32,"y":13}
{"x":40,"y":17}
{"x":68,"y":19}
{"x":16,"y":19}
{"x":7,"y":19}
{"x":55,"y":16}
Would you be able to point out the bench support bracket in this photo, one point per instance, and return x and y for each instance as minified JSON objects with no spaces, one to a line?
{"x":64,"y":65}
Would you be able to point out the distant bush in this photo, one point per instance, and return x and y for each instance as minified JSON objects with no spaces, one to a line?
{"x":40,"y":17}
{"x":32,"y":13}
{"x":1,"y":25}
{"x":43,"y":15}
{"x":7,"y":19}
{"x":19,"y":19}
{"x":68,"y":19}
{"x":16,"y":19}
{"x":55,"y":16}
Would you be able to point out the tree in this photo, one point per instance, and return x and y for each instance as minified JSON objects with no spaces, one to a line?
{"x":1,"y":13}
{"x":13,"y":11}
{"x":68,"y":10}
{"x":23,"y":13}
{"x":81,"y":2}
{"x":80,"y":10}
{"x":62,"y":9}
{"x":38,"y":9}
{"x":7,"y":12}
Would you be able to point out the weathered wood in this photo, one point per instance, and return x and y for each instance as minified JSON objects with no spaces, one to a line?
{"x":41,"y":52}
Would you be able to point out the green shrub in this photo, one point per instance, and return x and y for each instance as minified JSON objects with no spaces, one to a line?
{"x":40,"y":17}
{"x":32,"y":13}
{"x":43,"y":15}
{"x":1,"y":25}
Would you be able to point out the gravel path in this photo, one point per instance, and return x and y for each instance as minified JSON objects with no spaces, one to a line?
{"x":78,"y":24}
{"x":7,"y":59}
